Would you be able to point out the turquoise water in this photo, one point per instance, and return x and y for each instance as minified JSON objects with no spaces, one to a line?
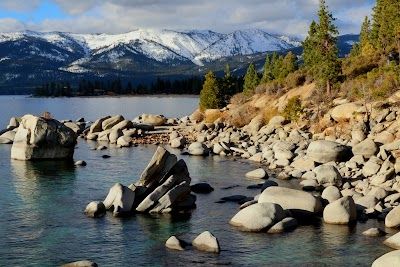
{"x":42,"y":221}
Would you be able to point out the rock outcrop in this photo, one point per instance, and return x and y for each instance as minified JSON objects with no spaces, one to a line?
{"x":40,"y":138}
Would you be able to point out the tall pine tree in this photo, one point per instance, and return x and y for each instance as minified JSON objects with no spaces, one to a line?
{"x":267,"y":75}
{"x":251,"y":80}
{"x":310,"y":52}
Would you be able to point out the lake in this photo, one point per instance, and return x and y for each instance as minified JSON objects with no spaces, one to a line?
{"x":42,"y":203}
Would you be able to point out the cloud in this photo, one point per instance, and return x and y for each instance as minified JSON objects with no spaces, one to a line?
{"x":10,"y":24}
{"x":19,"y":5}
{"x":116,"y":16}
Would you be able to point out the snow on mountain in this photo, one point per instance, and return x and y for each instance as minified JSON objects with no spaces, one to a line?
{"x":159,"y":45}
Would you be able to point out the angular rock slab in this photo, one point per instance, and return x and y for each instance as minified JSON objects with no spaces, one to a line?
{"x":120,"y":198}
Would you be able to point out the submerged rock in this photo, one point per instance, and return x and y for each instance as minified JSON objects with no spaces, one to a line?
{"x":202,"y":188}
{"x":83,"y":263}
{"x":40,"y":138}
{"x":374,"y":232}
{"x":95,"y":209}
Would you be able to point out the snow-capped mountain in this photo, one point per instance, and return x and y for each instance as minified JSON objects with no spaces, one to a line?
{"x":28,"y":57}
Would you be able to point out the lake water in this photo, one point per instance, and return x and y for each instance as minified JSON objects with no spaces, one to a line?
{"x":43,"y":224}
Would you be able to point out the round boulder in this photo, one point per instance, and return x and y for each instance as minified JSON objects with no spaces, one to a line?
{"x":366,"y":148}
{"x":257,"y":217}
{"x":95,"y":209}
{"x":197,"y":149}
{"x":257,"y":174}
{"x":341,"y":211}
{"x":393,"y":218}
{"x":331,"y":193}
{"x":328,"y":175}
{"x":323,"y":151}
{"x":389,"y":259}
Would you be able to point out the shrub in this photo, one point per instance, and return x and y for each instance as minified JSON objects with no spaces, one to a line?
{"x":238,"y":99}
{"x":295,"y":79}
{"x":269,"y":113}
{"x":359,"y":65}
{"x":211,"y":115}
{"x":293,"y":109}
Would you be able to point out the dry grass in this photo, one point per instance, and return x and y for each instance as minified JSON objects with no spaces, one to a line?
{"x":269,"y":113}
{"x":211,"y":115}
{"x":238,"y":99}
{"x":241,"y":116}
{"x":197,"y":116}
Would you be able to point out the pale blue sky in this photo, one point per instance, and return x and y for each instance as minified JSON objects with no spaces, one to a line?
{"x":116,"y":16}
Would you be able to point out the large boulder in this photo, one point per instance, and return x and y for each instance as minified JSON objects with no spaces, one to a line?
{"x":155,"y":120}
{"x":298,"y":201}
{"x":120,"y":200}
{"x":40,"y":138}
{"x":344,"y":112}
{"x":328,"y":175}
{"x":392,"y":219}
{"x":366,"y":148}
{"x":390,"y":259}
{"x":393,"y":241}
{"x":198,"y":149}
{"x":258,"y":217}
{"x":97,"y":125}
{"x":323,"y":151}
{"x":207,"y":242}
{"x":341,"y":211}
{"x":174,"y":243}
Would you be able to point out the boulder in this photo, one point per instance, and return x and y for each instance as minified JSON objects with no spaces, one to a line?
{"x":111,"y":122}
{"x":114,"y":135}
{"x":77,"y":128}
{"x":40,"y":138}
{"x":344,"y":112}
{"x":366,"y":202}
{"x":80,"y":163}
{"x":258,"y":217}
{"x":178,"y":142}
{"x":390,"y":259}
{"x":13,"y":123}
{"x":257,"y":174}
{"x":95,"y":209}
{"x":285,"y":225}
{"x":374,"y":232}
{"x":323,"y":151}
{"x":120,"y":200}
{"x":366,"y":148}
{"x":393,"y":218}
{"x":371,"y":167}
{"x":331,"y":193}
{"x":202,"y":188}
{"x":9,"y":135}
{"x":83,"y":263}
{"x":4,"y":140}
{"x":207,"y":242}
{"x":328,"y":175}
{"x":174,"y":243}
{"x":197,"y":149}
{"x":341,"y":211}
{"x":303,"y":164}
{"x":97,"y":125}
{"x":155,"y":120}
{"x":122,"y":125}
{"x":393,"y":241}
{"x":124,"y":141}
{"x":298,"y":201}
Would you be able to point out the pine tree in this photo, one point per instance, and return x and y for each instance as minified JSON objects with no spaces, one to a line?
{"x":251,"y":80}
{"x":365,"y":33}
{"x":386,"y":22}
{"x":267,"y":75}
{"x":310,"y":52}
{"x":288,"y":65}
{"x":210,"y":96}
{"x":328,"y":65}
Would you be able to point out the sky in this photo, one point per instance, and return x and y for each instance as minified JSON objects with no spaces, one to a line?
{"x":291,"y":17}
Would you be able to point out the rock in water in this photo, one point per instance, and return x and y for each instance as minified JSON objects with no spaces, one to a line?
{"x":202,"y":188}
{"x":206,"y":242}
{"x":197,"y":149}
{"x":323,"y":151}
{"x":341,"y":211}
{"x":174,"y":243}
{"x":391,"y":259}
{"x":286,"y":224}
{"x":120,"y":199}
{"x":40,"y":138}
{"x":393,"y":241}
{"x":393,"y":218}
{"x":331,"y":193}
{"x":374,"y":232}
{"x":257,"y":217}
{"x":95,"y":209}
{"x":297,"y":201}
{"x":155,"y":120}
{"x":257,"y":174}
{"x":83,"y":263}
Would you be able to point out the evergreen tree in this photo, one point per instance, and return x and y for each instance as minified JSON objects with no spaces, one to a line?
{"x":310,"y":52}
{"x":386,"y":24}
{"x":365,"y":33}
{"x":288,"y":65}
{"x":267,"y":75}
{"x":210,"y":96}
{"x":251,"y":80}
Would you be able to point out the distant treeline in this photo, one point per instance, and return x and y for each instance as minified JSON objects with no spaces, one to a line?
{"x":192,"y":85}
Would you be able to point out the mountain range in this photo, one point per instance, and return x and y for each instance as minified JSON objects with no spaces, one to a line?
{"x":29,"y":58}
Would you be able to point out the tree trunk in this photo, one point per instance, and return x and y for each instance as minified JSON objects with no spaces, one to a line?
{"x":328,"y":88}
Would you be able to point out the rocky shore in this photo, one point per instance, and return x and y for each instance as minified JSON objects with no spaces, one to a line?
{"x":348,"y":172}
